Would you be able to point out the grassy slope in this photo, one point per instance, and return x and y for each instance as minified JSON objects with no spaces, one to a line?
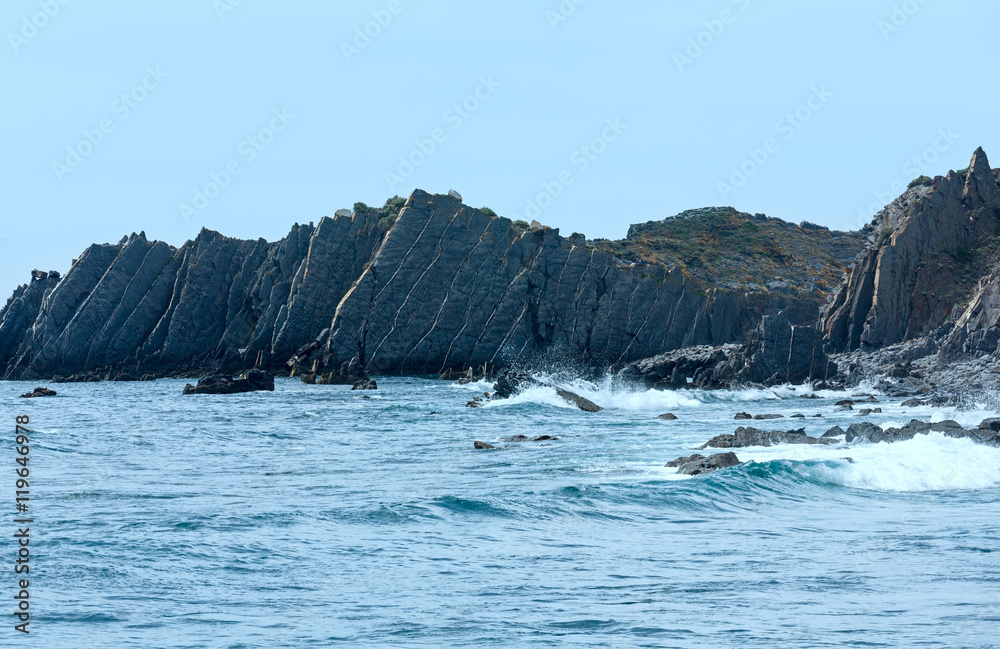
{"x":732,"y":249}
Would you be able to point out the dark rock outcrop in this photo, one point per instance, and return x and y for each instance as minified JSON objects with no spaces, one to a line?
{"x":869,"y":433}
{"x":775,"y":352}
{"x":580,"y":402}
{"x":836,"y":431}
{"x":778,"y":352}
{"x":365,"y":384}
{"x":214,"y":304}
{"x":252,"y":381}
{"x":990,"y":424}
{"x":483,"y":446}
{"x":452,"y":287}
{"x":510,"y":382}
{"x":926,"y":250}
{"x":39,"y":392}
{"x":429,"y":286}
{"x":744,"y":437}
{"x":701,"y":465}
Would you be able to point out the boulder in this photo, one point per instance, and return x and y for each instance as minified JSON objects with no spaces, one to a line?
{"x":483,"y":446}
{"x":765,"y":417}
{"x":744,"y":437}
{"x":39,"y":392}
{"x":365,"y":384}
{"x":668,"y":417}
{"x":253,"y":381}
{"x":743,"y":415}
{"x":578,"y":401}
{"x":701,"y":465}
{"x":990,"y":424}
{"x":863,"y":431}
{"x":836,"y":431}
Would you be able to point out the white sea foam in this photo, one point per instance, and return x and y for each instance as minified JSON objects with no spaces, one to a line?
{"x":931,"y":462}
{"x":614,"y":394}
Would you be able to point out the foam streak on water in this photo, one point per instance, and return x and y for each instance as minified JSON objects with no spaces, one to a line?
{"x":313,"y":517}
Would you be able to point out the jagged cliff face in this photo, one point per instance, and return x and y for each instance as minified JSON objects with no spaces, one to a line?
{"x":140,"y":307}
{"x":925,"y":254}
{"x":438,"y":286}
{"x":441,"y":286}
{"x":453,"y":287}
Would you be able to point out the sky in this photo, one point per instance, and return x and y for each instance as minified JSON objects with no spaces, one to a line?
{"x":247,"y":116}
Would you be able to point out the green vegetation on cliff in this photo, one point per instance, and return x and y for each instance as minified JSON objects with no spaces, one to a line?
{"x":732,"y":249}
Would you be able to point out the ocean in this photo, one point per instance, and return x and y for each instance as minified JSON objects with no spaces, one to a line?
{"x":315,"y":516}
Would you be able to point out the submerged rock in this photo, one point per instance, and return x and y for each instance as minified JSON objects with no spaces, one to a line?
{"x":39,"y":392}
{"x":483,"y":446}
{"x":701,"y":465}
{"x":365,"y":384}
{"x":744,"y":437}
{"x":765,"y":417}
{"x":668,"y":417}
{"x":252,"y":381}
{"x":743,"y":415}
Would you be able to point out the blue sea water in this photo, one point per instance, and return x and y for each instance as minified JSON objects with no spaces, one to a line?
{"x":315,"y":517}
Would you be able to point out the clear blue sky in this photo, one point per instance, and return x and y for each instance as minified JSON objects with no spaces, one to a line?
{"x":683,"y":115}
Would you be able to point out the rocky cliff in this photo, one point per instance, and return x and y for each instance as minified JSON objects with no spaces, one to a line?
{"x":926,"y":252}
{"x":453,"y":287}
{"x":420,"y":286}
{"x":710,"y":297}
{"x":143,"y":307}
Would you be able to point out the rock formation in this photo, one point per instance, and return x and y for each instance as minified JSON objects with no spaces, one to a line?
{"x":214,"y":304}
{"x":453,"y":287}
{"x":427,"y":285}
{"x":926,"y":252}
{"x":701,"y":465}
{"x":251,"y":381}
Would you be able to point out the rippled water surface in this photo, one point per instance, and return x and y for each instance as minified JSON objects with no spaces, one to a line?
{"x":316,"y":517}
